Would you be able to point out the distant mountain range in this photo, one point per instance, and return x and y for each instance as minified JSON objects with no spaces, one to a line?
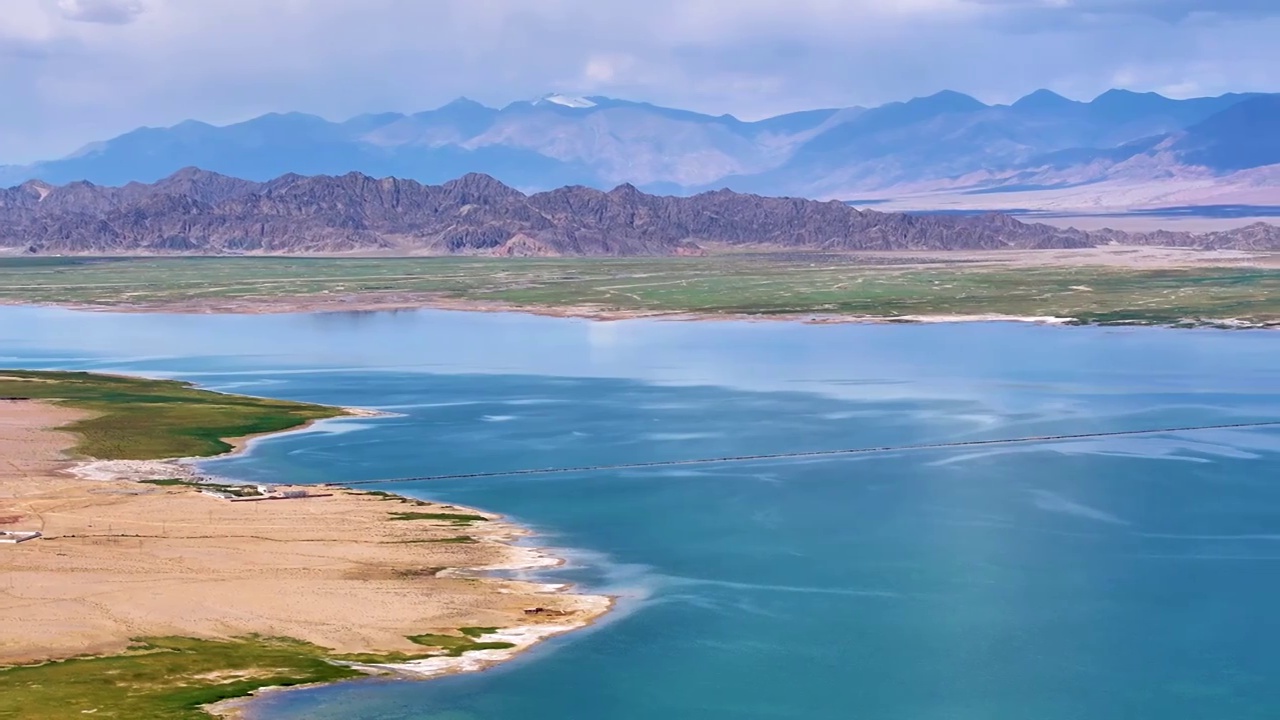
{"x":198,"y":212}
{"x":947,"y":142}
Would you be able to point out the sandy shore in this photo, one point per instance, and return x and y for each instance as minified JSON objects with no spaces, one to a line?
{"x":408,"y":302}
{"x":120,"y":559}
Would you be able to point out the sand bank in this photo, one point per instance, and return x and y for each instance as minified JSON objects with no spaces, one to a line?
{"x":122,"y":559}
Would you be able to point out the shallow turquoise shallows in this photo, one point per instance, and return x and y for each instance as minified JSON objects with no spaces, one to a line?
{"x":1124,"y":578}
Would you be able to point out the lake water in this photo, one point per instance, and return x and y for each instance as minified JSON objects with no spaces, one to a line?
{"x":1103,"y":579}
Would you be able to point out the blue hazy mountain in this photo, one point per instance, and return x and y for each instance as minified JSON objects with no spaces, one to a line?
{"x":1246,"y":135}
{"x":946,"y":140}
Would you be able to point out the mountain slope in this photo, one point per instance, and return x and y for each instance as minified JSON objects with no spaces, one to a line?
{"x":597,"y":141}
{"x":949,"y":142}
{"x":198,"y":212}
{"x":945,"y":142}
{"x":1239,"y":144}
{"x":1246,"y":135}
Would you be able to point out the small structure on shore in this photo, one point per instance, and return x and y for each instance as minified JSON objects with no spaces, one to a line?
{"x":13,"y":537}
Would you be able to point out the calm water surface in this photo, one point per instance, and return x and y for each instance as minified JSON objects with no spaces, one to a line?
{"x":1095,"y":580}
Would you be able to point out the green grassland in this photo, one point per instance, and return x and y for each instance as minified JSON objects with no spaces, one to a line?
{"x":767,"y":284}
{"x":171,"y":678}
{"x":162,"y":678}
{"x":138,"y":419}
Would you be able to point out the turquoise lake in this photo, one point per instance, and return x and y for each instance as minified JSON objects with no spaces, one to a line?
{"x":1101,"y":579}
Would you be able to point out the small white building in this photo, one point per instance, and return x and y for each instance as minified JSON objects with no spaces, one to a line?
{"x":13,"y":537}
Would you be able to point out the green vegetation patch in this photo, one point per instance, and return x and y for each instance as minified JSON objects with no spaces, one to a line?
{"x":383,"y":495}
{"x":455,"y":518}
{"x":233,"y":490}
{"x":139,"y":419}
{"x":455,"y":645}
{"x":161,"y":679}
{"x":172,"y":678}
{"x":440,"y":646}
{"x":459,"y":540}
{"x":767,"y":284}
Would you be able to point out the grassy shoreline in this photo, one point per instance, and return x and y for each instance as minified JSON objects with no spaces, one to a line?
{"x":140,"y":419}
{"x":1190,"y":290}
{"x":176,"y":678}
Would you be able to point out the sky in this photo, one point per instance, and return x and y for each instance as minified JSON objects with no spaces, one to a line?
{"x":75,"y":71}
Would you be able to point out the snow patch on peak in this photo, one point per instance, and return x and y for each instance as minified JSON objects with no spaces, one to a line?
{"x":39,"y":187}
{"x":568,"y":101}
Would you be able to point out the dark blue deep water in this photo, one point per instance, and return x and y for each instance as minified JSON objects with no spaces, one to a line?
{"x":1107,"y":579}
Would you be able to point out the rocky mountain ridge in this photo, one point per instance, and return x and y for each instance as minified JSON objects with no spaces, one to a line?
{"x":200,"y":212}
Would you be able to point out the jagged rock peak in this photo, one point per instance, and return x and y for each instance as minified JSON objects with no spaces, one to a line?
{"x":481,"y":184}
{"x":37,"y":188}
{"x":626,"y":190}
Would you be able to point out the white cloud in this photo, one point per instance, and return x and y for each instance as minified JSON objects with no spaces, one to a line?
{"x":109,"y":12}
{"x":80,"y":70}
{"x":1174,"y":11}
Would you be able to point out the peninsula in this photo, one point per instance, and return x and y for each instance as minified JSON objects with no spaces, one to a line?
{"x":148,"y":591}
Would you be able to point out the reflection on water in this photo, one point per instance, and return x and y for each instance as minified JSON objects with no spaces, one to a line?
{"x":1111,"y":578}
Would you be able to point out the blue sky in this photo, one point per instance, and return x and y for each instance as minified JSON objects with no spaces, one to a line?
{"x":72,"y":71}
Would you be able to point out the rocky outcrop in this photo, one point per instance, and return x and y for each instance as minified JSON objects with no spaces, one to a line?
{"x":1258,"y":236}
